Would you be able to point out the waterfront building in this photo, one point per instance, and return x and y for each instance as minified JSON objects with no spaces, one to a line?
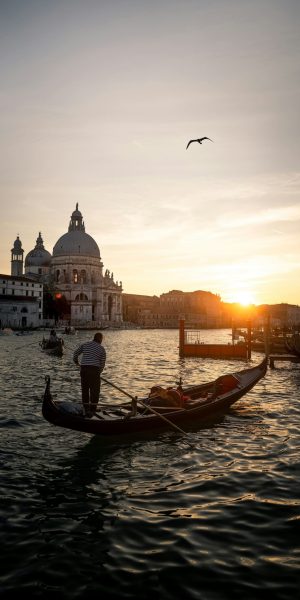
{"x":199,"y":309}
{"x":72,"y":276}
{"x":21,"y":302}
{"x":76,"y":273}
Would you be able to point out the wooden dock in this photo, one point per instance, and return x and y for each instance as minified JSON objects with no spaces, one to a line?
{"x":190,"y":345}
{"x":282,"y":358}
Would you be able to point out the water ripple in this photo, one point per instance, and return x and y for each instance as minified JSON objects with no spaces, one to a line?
{"x":211,"y":515}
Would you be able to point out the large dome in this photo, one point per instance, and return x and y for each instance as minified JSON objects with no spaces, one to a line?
{"x":38,"y":257}
{"x":76,"y":241}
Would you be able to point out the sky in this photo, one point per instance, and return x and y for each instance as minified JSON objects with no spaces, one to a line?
{"x":98,"y":101}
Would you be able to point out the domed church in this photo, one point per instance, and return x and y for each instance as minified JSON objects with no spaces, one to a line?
{"x":75,"y":272}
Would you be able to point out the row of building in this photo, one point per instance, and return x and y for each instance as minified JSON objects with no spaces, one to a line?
{"x":71,"y":285}
{"x":204,"y":310}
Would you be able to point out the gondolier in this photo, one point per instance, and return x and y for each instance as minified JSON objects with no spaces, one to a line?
{"x":91,"y":365}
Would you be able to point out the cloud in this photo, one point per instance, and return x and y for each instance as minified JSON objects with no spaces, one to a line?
{"x":269,"y":215}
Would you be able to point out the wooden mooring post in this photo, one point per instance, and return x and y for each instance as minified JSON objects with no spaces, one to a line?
{"x":181,"y":337}
{"x":249,"y":339}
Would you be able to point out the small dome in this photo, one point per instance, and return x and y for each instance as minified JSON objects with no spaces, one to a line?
{"x":38,"y":257}
{"x":76,"y":241}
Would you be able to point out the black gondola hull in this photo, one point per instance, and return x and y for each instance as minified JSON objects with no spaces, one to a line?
{"x":207,"y":405}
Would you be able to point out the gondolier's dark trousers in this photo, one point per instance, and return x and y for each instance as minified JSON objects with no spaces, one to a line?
{"x":90,"y":387}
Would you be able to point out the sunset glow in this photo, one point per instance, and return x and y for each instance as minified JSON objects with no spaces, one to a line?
{"x":103,"y":118}
{"x":245,"y":298}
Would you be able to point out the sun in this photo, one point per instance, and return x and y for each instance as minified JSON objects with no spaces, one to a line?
{"x":245,"y":298}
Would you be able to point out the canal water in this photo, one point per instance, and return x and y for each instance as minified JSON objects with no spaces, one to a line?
{"x":211,"y":515}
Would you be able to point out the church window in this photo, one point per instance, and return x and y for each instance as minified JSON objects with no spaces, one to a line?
{"x":83,"y":276}
{"x":75,"y":276}
{"x":57,"y":275}
{"x":81,"y":297}
{"x":40,"y":272}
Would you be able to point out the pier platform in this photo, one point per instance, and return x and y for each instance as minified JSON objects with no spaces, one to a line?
{"x":282,"y":357}
{"x":190,"y":345}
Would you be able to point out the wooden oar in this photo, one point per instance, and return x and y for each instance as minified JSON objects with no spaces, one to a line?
{"x":144,"y":405}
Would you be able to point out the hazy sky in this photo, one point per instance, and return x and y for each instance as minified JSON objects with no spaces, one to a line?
{"x":98,"y":101}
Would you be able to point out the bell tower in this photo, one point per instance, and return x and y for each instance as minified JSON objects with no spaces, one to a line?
{"x":17,"y":258}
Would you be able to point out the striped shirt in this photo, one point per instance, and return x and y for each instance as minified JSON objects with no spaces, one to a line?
{"x":93,"y":355}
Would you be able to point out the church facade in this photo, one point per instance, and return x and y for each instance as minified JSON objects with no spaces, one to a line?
{"x":74,"y":272}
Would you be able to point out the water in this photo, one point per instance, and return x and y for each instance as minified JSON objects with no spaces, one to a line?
{"x":211,"y":515}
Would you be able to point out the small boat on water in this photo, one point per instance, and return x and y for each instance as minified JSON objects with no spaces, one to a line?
{"x":69,"y":330}
{"x":196,"y":404}
{"x":53,"y":348}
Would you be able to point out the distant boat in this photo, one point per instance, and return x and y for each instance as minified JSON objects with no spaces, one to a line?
{"x":53,"y":348}
{"x":69,"y":330}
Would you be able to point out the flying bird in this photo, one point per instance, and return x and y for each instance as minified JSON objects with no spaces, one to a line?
{"x":199,"y":140}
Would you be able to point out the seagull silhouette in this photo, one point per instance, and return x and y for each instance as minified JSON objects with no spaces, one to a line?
{"x":199,"y":140}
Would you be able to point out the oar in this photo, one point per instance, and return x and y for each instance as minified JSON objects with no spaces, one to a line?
{"x":144,"y":405}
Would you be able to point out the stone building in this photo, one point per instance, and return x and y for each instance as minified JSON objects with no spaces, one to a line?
{"x":21,"y":302}
{"x":76,"y":272}
{"x":199,"y":309}
{"x":74,"y":275}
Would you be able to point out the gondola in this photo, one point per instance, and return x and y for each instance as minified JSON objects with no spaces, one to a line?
{"x":199,"y":403}
{"x":53,"y":348}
